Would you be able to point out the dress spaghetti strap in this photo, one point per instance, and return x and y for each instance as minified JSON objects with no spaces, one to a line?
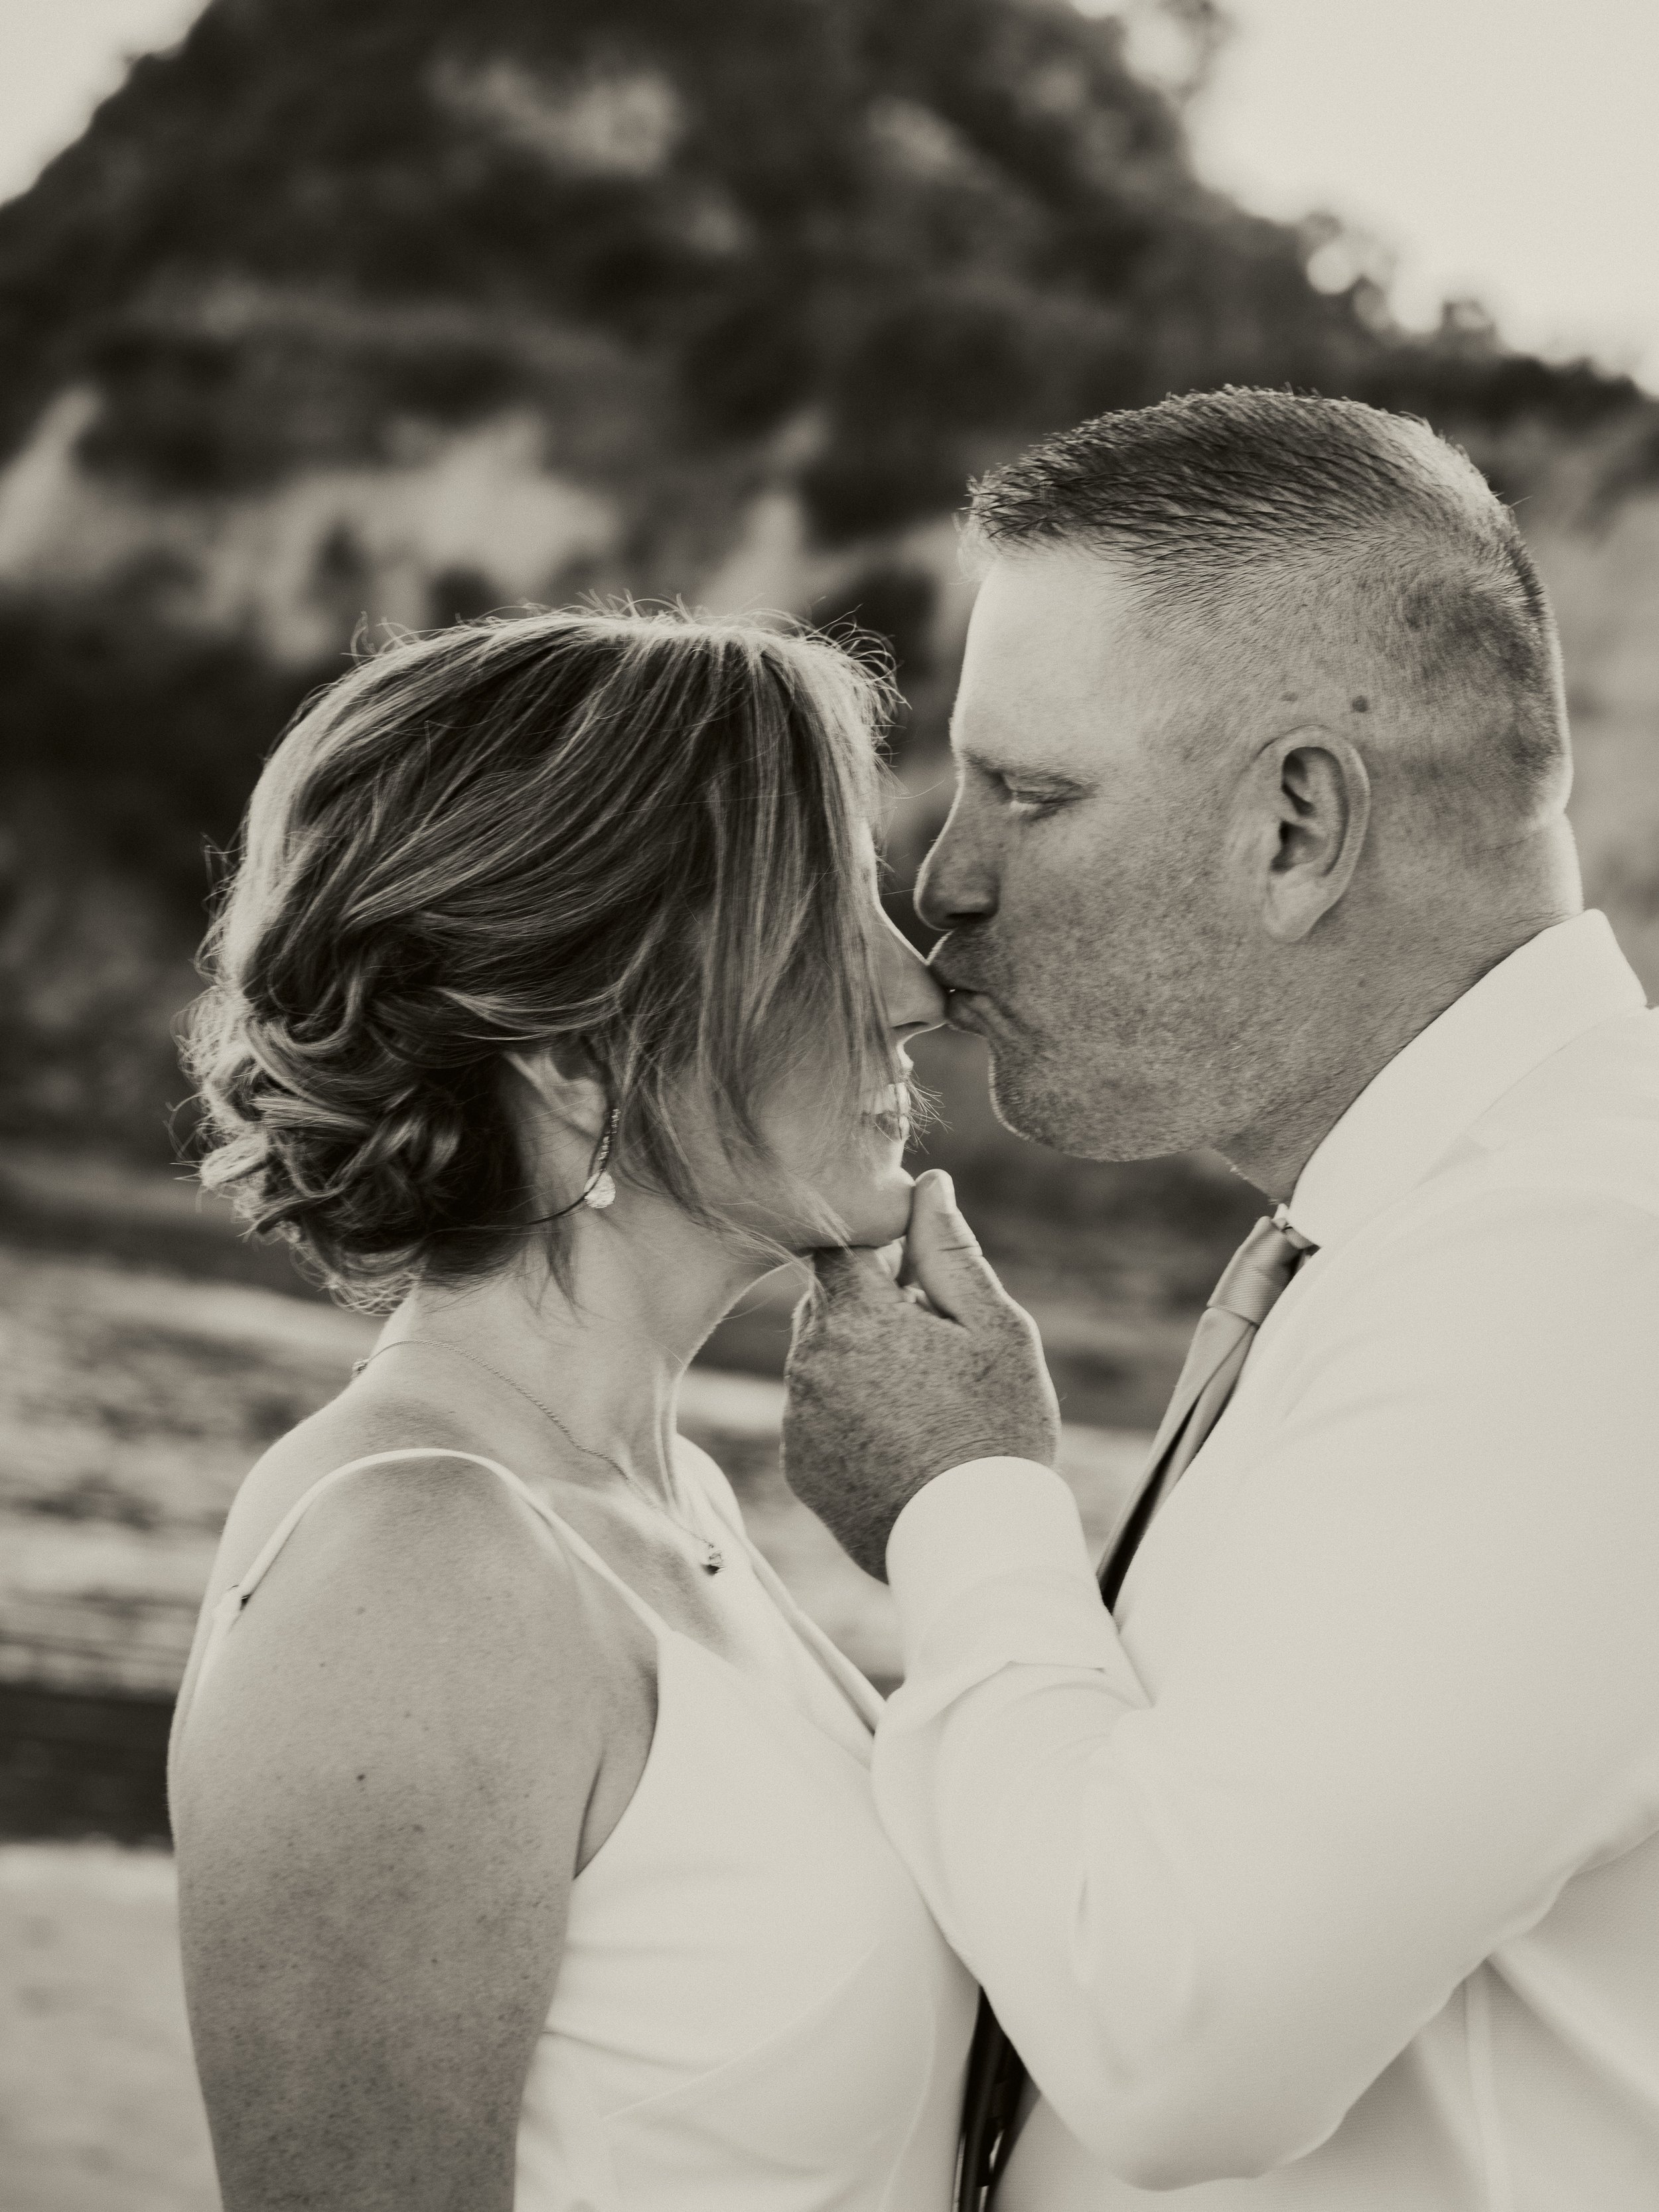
{"x":230,"y":1606}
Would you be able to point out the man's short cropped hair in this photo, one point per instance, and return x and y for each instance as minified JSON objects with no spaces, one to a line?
{"x":1262,"y":513}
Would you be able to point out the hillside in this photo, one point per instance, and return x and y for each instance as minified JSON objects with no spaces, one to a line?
{"x":419,"y":303}
{"x":418,"y":308}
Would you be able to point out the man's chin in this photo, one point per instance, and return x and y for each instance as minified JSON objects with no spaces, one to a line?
{"x":1081,"y":1129}
{"x":1021,"y":1106}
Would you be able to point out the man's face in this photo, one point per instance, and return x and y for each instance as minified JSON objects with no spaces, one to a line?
{"x":1083,"y":875}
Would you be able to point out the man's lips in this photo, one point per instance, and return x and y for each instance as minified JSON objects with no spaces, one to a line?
{"x":966,"y":999}
{"x":950,"y":979}
{"x":963,"y":1008}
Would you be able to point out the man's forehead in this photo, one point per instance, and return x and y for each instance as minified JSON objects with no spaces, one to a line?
{"x":1056,"y":650}
{"x":1056,"y":591}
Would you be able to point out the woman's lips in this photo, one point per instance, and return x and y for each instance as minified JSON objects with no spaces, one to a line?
{"x":891,"y":1112}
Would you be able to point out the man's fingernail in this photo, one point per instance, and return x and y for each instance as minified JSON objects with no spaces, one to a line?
{"x":947,"y":1188}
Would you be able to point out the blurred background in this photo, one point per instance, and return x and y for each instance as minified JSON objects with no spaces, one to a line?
{"x":315,"y":319}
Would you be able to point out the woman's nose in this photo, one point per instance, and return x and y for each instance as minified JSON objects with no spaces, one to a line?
{"x":913,"y":999}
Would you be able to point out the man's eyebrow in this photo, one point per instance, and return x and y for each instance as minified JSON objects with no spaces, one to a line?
{"x":1022,"y":771}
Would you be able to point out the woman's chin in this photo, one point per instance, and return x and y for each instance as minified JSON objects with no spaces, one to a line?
{"x":870,"y":1199}
{"x":878,"y":1210}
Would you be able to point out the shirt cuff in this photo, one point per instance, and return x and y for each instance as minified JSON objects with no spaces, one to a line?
{"x":1007,"y":1522}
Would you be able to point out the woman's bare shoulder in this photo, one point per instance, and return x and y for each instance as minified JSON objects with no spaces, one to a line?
{"x":379,"y":1793}
{"x":421,"y":1563}
{"x":400,"y":1454}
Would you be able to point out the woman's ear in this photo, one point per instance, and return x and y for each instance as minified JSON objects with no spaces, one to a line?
{"x":565,"y":1085}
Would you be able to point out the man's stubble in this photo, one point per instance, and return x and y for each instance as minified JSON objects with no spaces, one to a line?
{"x":1123,"y":1025}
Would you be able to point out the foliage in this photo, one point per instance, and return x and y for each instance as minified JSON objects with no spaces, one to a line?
{"x":158,"y":731}
{"x":868,"y":246}
{"x":943,"y":228}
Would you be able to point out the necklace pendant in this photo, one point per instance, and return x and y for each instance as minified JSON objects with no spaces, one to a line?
{"x":712,"y":1560}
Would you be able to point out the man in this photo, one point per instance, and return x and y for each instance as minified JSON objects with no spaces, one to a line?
{"x":1327,"y":1874}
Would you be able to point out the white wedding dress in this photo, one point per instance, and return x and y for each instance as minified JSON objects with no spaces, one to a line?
{"x":755,"y":2011}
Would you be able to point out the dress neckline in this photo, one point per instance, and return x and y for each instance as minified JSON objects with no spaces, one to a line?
{"x":860,"y":1697}
{"x":865,"y":1701}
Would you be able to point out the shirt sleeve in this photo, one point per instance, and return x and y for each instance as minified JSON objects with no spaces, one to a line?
{"x":1418,"y":1690}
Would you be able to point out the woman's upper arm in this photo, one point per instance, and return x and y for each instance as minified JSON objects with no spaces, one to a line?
{"x":379,"y":1800}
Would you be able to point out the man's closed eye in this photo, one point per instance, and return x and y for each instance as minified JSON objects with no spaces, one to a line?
{"x":1028,"y":803}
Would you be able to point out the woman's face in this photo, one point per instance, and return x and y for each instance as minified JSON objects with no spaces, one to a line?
{"x":856,"y":1176}
{"x":861,"y":1178}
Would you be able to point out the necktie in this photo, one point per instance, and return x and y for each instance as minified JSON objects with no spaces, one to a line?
{"x":1255,"y":1279}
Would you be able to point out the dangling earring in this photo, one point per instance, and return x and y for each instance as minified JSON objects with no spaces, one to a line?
{"x":601,"y":1189}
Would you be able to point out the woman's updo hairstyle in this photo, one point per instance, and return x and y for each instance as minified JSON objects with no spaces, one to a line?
{"x":642,"y":830}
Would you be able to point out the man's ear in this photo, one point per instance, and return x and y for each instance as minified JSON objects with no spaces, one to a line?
{"x":1312,"y":796}
{"x":563,"y":1082}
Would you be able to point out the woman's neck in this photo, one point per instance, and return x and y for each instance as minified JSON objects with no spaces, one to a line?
{"x":606,"y":1356}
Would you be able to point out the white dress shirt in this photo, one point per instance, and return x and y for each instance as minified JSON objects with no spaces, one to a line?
{"x":1328,"y":1876}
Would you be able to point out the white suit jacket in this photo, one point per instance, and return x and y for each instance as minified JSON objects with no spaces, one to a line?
{"x":1329,"y":1877}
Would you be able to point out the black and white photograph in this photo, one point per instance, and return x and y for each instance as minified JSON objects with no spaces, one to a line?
{"x":829,"y":1106}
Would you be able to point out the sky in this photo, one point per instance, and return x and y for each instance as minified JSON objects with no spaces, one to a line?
{"x":59,"y":58}
{"x":1498,"y":149}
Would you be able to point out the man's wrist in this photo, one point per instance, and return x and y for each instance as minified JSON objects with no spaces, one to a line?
{"x":976,"y":1450}
{"x":974,"y":1521}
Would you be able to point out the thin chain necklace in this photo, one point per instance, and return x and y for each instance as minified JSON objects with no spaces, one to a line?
{"x":713,"y":1558}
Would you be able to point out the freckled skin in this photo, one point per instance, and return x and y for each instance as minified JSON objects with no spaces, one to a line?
{"x":1185,"y":907}
{"x":1111,"y":973}
{"x":1166,"y":893}
{"x":370,"y":1953}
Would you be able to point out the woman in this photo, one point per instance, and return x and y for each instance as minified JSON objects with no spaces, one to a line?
{"x":527,"y":1851}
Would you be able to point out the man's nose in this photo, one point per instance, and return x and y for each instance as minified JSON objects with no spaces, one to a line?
{"x":957,"y":883}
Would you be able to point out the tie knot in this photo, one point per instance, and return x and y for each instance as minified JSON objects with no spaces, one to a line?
{"x":1256,"y":1276}
{"x":1281,"y":1221}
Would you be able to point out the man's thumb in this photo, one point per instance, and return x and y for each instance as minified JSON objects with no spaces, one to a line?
{"x":942,"y":1254}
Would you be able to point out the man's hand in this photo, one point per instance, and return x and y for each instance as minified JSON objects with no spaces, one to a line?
{"x":889,"y":1385}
